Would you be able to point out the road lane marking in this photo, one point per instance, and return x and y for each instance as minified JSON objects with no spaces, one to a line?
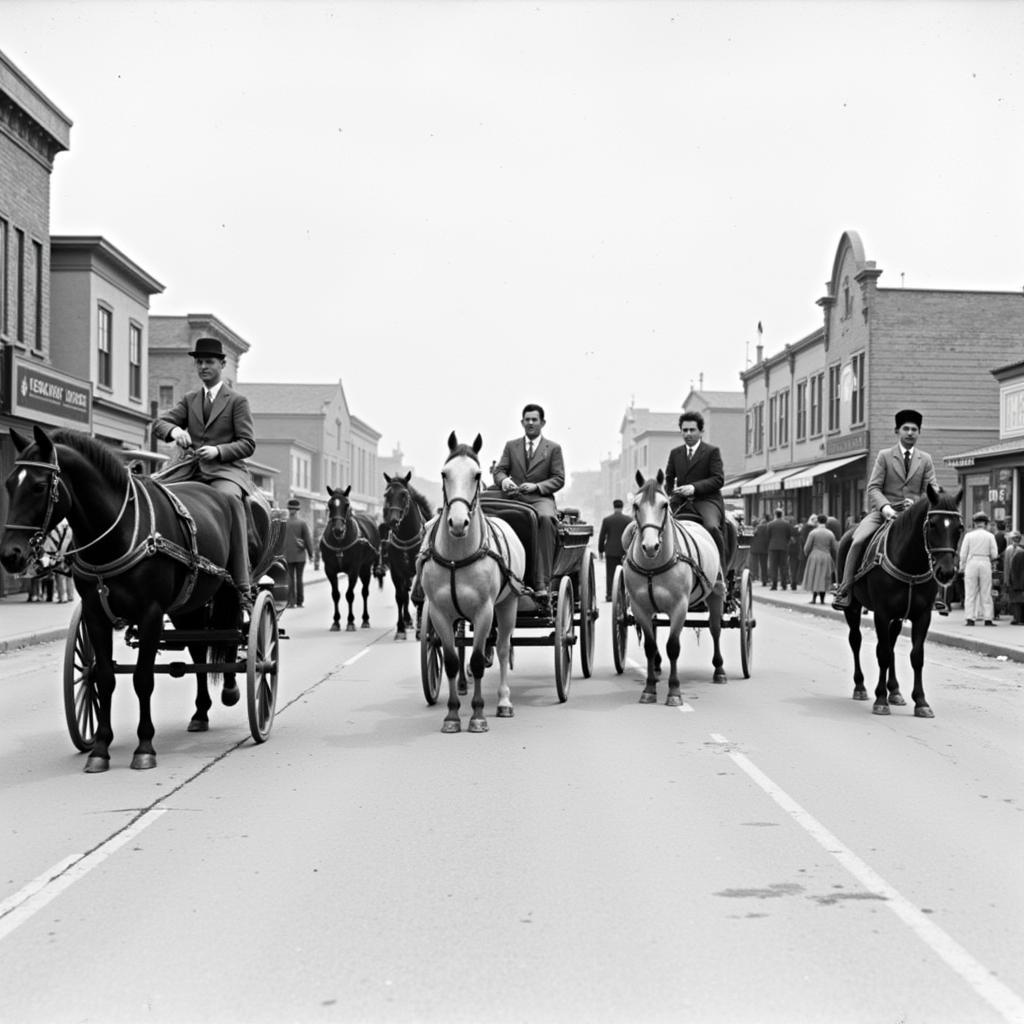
{"x":30,"y":899}
{"x":642,"y":669}
{"x":1002,"y":998}
{"x":355,"y":657}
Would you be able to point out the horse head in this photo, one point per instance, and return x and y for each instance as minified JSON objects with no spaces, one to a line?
{"x":650,"y":512}
{"x":339,"y":510}
{"x":460,"y":484}
{"x":943,"y":528}
{"x":397,"y":500}
{"x":36,"y":500}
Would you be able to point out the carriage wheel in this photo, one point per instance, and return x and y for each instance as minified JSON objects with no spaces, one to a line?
{"x":81,"y":701}
{"x":430,"y":659}
{"x":620,"y":620}
{"x":746,"y":624}
{"x":588,"y":614}
{"x":261,"y":666}
{"x":565,"y":638}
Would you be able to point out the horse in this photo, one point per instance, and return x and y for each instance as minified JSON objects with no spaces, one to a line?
{"x":903,"y":566}
{"x":669,"y":566}
{"x":152,"y":552}
{"x":471,"y":568}
{"x":349,"y":544}
{"x":406,"y":513}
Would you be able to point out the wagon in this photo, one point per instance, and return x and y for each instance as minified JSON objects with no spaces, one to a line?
{"x":569,"y":626}
{"x":738,"y":613}
{"x":258,"y":643}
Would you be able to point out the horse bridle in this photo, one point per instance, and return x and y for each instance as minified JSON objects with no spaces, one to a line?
{"x":932,"y":552}
{"x":412,"y":542}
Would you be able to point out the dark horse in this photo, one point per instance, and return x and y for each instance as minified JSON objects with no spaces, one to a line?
{"x":406,"y":514}
{"x":350,"y":544}
{"x":134,"y":557}
{"x":912,"y":557}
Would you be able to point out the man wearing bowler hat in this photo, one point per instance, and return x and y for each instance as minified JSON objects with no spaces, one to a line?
{"x":298,"y":544}
{"x":215,"y":423}
{"x":900,"y":476}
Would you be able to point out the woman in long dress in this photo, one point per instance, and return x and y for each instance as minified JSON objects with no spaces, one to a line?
{"x":821,"y":549}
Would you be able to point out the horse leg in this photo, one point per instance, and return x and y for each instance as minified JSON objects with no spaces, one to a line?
{"x":150,"y":627}
{"x":401,"y":603}
{"x":884,"y":654}
{"x":892,"y":683}
{"x":716,"y":608}
{"x":350,"y":593}
{"x":101,"y":636}
{"x":366,"y":574}
{"x":201,"y":719}
{"x":460,"y":645}
{"x":852,"y":615}
{"x":505,"y":617}
{"x":477,"y":664}
{"x":672,"y":648}
{"x":918,"y":632}
{"x":335,"y":597}
{"x":452,"y":722}
{"x":650,"y":690}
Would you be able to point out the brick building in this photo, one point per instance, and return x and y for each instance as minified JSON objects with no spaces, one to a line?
{"x":819,"y":410}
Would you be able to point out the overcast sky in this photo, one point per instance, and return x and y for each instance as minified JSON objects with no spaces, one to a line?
{"x":456,"y":207}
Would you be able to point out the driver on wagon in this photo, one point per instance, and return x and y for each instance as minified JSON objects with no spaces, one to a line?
{"x":694,"y":474}
{"x":900,"y":476}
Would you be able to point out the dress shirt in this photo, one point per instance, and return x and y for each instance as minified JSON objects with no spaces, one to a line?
{"x":978,"y":543}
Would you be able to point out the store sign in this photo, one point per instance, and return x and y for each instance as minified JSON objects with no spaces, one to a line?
{"x":1012,"y":410}
{"x":47,"y":395}
{"x":847,"y":445}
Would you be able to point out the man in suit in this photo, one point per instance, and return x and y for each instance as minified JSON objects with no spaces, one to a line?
{"x":780,"y":534}
{"x":609,"y":544}
{"x":531,"y":469}
{"x":694,"y":474}
{"x":215,"y":423}
{"x":900,"y":476}
{"x":298,"y":544}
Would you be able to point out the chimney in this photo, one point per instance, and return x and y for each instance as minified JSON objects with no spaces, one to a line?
{"x":700,"y":379}
{"x":760,"y":353}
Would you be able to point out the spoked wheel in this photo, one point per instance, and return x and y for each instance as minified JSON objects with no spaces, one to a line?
{"x":565,"y":638}
{"x":620,"y":620}
{"x":81,"y":701}
{"x":261,"y":666}
{"x":430,"y":659}
{"x":588,"y":614}
{"x":746,"y":624}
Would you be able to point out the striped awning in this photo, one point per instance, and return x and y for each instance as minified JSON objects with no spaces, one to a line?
{"x":806,"y":476}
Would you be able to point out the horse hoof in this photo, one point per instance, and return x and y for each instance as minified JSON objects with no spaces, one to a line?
{"x":478,"y":725}
{"x":648,"y":698}
{"x":896,"y":699}
{"x":96,"y":764}
{"x":142,"y":761}
{"x":860,"y":694}
{"x":450,"y":726}
{"x":880,"y":709}
{"x":365,"y":625}
{"x":230,"y":696}
{"x":673,"y":700}
{"x":506,"y":711}
{"x":197,"y":725}
{"x":923,"y":712}
{"x":400,"y":636}
{"x":335,"y":628}
{"x":350,"y":628}
{"x":719,"y":677}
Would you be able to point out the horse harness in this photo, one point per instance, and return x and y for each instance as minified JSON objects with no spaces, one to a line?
{"x":360,"y":539}
{"x":154,"y":543}
{"x":410,"y":543}
{"x":690,"y":557}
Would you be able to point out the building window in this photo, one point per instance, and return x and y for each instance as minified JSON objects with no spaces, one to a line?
{"x":104,"y":330}
{"x":859,"y":388}
{"x":801,"y":410}
{"x":773,"y":403}
{"x":847,"y":299}
{"x":834,"y":378}
{"x":166,"y":393}
{"x":759,"y":427}
{"x":749,"y":430}
{"x":817,"y":401}
{"x":5,"y":234}
{"x":37,"y":333}
{"x":134,"y":361}
{"x":784,"y":418}
{"x":19,"y":285}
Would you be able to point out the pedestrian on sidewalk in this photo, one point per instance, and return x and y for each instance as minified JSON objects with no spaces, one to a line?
{"x":977,"y":553}
{"x":1015,"y":582}
{"x":609,"y":544}
{"x":779,"y":532}
{"x":298,"y":543}
{"x":821,"y":550}
{"x":759,"y":551}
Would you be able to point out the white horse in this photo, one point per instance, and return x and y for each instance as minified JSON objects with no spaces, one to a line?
{"x":670,"y":566}
{"x":471,"y":568}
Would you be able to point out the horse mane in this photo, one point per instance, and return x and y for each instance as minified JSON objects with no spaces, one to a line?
{"x":650,"y":488}
{"x":426,"y":509}
{"x":462,"y":449}
{"x":99,"y":454}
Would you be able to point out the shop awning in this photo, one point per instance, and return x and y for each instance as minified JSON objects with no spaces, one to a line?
{"x":750,"y":487}
{"x":774,"y":481}
{"x":805,"y":477}
{"x":732,"y":487}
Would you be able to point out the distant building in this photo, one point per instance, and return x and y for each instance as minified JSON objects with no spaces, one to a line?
{"x":394,"y":465}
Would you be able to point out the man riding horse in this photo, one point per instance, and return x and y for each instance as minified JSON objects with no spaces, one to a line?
{"x":215,"y":424}
{"x":900,"y":476}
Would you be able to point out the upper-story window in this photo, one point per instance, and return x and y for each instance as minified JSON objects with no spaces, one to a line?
{"x":5,"y":243}
{"x":773,"y":404}
{"x":817,"y":402}
{"x":134,"y":361}
{"x":104,"y":334}
{"x":759,"y":427}
{"x":800,"y":426}
{"x":834,"y":393}
{"x":748,"y":428}
{"x":166,"y":396}
{"x":784,"y":417}
{"x":857,"y":403}
{"x":37,"y":332}
{"x":19,"y":287}
{"x":847,"y":299}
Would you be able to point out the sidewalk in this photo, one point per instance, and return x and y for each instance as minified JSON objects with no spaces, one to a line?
{"x":999,"y":641}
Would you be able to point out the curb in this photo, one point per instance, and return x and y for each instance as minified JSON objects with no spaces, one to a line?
{"x":30,"y":639}
{"x":991,"y":650}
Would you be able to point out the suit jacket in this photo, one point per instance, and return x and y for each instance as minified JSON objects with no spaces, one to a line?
{"x":546,"y":469}
{"x":230,"y":429}
{"x":704,"y":471}
{"x":609,"y":540}
{"x":779,"y":534}
{"x":889,"y":482}
{"x":298,"y":541}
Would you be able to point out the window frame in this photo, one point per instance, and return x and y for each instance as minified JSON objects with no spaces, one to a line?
{"x":104,"y":356}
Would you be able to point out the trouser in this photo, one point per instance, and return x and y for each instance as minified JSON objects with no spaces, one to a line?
{"x":861,"y":535}
{"x":296,"y":596}
{"x":710,"y":515}
{"x":978,"y":588}
{"x":761,"y":566}
{"x":611,"y":563}
{"x":238,"y":555}
{"x":778,"y":562}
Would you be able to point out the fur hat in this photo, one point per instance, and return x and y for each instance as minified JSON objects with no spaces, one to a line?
{"x":908,"y":416}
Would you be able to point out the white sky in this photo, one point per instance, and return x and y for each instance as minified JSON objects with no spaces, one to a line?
{"x":460,"y":207}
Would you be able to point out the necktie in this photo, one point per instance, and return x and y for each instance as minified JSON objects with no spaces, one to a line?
{"x":689,"y":453}
{"x":529,"y":451}
{"x":906,"y":461}
{"x":207,"y":406}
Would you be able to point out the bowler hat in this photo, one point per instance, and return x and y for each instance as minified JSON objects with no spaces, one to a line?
{"x":908,"y":416}
{"x":294,"y":503}
{"x":208,"y":347}
{"x":617,"y":503}
{"x":980,"y":517}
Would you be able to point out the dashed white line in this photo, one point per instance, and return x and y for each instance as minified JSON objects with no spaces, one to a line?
{"x":1003,"y":999}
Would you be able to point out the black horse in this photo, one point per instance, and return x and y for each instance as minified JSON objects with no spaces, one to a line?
{"x":138,"y":552}
{"x":350,"y":544}
{"x":406,"y":513}
{"x":911,"y":557}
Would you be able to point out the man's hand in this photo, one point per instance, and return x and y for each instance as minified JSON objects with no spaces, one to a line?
{"x":508,"y":485}
{"x":888,"y":512}
{"x":528,"y":488}
{"x":208,"y":452}
{"x":181,"y":437}
{"x":686,"y":490}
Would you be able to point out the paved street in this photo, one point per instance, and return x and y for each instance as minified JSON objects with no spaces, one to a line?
{"x":770,"y":852}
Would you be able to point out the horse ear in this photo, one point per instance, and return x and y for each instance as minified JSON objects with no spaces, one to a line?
{"x":639,"y":478}
{"x":933,"y":495}
{"x":661,"y":476}
{"x":478,"y":444}
{"x":407,"y":477}
{"x":347,"y":489}
{"x":452,"y":441}
{"x":20,"y":441}
{"x":44,"y":442}
{"x":959,"y":495}
{"x":386,"y":477}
